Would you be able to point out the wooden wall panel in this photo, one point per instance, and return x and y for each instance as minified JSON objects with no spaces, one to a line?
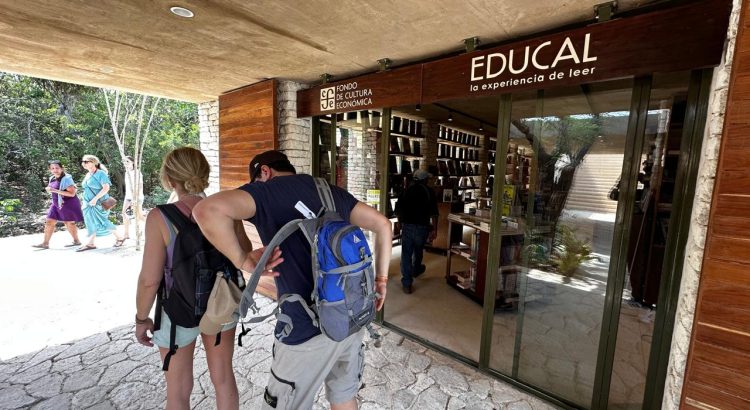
{"x":717,"y":375}
{"x":248,"y":125}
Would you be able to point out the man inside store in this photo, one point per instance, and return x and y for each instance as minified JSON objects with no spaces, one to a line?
{"x":305,"y":359}
{"x":417,"y":212}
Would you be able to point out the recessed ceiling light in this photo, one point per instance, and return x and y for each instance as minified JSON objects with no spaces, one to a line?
{"x":182,"y":12}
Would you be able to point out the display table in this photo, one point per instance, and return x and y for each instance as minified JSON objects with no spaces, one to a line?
{"x":472,"y":283}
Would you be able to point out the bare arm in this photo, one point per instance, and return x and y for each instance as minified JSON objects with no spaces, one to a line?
{"x":245,"y":243}
{"x":69,"y":191}
{"x":216,"y":216}
{"x":104,"y":190}
{"x":152,"y":271}
{"x":366,"y":217}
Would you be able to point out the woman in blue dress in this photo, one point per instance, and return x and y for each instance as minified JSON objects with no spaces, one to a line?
{"x":95,"y":186}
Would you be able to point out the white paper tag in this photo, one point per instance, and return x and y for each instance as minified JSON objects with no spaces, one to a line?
{"x":304,"y":210}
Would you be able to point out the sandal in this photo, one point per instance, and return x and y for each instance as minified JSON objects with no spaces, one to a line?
{"x":40,"y":246}
{"x":118,"y":243}
{"x":86,"y":248}
{"x":70,"y":245}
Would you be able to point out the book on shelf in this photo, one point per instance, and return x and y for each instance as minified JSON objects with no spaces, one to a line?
{"x":463,"y":279}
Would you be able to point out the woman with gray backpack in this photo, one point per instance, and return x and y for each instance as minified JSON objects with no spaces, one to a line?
{"x":181,"y":293}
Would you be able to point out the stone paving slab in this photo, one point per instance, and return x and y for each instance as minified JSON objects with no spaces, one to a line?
{"x":62,"y":345}
{"x":110,"y":370}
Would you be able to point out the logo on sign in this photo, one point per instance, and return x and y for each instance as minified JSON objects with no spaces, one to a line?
{"x":327,"y":98}
{"x":345,"y":97}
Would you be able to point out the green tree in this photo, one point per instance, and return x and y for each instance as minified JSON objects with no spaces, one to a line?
{"x":42,"y":120}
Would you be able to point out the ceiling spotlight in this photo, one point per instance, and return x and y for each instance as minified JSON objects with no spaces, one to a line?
{"x":481,"y":127}
{"x":450,"y":116}
{"x":181,"y":12}
{"x":418,"y":107}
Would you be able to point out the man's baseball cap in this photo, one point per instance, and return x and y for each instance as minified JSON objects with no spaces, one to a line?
{"x":268,"y":158}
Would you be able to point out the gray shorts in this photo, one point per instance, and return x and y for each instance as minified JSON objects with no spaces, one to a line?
{"x":298,"y":371}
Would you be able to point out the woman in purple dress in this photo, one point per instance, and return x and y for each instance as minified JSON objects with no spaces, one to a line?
{"x":65,"y":206}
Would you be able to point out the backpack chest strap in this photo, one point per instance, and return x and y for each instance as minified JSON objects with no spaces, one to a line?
{"x":353,"y":267}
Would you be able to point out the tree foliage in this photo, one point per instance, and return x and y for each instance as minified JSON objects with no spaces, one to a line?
{"x":42,"y":120}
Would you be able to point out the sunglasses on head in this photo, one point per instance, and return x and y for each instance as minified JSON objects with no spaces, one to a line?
{"x":85,"y":161}
{"x":256,"y":174}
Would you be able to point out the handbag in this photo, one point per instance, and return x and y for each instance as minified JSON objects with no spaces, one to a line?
{"x":222,"y":306}
{"x":108,"y":203}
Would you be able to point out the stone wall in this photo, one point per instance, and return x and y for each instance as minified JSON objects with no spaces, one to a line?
{"x":294,"y":133}
{"x":362,"y":165}
{"x":208,"y":121}
{"x":699,"y":220}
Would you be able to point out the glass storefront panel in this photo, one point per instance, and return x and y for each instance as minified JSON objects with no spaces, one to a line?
{"x":559,"y":183}
{"x":451,"y":141}
{"x":565,"y":153}
{"x":648,"y":236}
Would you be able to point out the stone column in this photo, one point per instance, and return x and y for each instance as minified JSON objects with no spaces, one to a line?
{"x":208,"y":121}
{"x":699,"y":220}
{"x":362,"y":165}
{"x":294,"y":133}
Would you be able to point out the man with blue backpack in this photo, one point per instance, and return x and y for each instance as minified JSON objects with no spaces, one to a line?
{"x":329,"y":289}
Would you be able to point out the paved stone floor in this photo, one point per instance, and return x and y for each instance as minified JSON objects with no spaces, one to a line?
{"x":109,"y":370}
{"x":64,"y":346}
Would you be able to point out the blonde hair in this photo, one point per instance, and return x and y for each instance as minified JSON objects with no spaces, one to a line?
{"x":187,"y":167}
{"x":94,"y":160}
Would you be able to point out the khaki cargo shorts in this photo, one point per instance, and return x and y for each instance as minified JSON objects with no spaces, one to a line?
{"x":298,"y":371}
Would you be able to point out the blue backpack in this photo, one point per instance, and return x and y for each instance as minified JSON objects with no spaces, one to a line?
{"x":344,"y":277}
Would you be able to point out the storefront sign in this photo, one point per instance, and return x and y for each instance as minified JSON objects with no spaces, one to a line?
{"x":382,"y":89}
{"x":680,"y":38}
{"x":685,"y":37}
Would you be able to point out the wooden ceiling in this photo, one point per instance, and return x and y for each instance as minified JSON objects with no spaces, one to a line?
{"x":138,"y":45}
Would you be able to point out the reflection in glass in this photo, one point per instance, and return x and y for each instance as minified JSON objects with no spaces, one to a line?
{"x":565,"y":153}
{"x":648,"y":236}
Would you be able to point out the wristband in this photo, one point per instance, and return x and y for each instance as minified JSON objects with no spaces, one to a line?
{"x":141,"y":321}
{"x":382,"y":279}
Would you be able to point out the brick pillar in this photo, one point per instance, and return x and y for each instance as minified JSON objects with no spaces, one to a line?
{"x":294,"y":133}
{"x":362,"y":163}
{"x":208,"y":121}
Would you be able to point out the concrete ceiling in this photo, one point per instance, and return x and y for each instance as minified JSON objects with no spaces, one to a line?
{"x":138,"y":45}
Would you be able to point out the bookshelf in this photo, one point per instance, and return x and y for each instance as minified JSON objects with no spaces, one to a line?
{"x":459,"y":162}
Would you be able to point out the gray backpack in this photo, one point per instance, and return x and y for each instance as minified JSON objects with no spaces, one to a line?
{"x":343,"y":275}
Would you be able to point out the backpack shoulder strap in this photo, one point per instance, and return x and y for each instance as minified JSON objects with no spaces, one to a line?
{"x":326,"y":198}
{"x":248,"y":301}
{"x":175,"y":216}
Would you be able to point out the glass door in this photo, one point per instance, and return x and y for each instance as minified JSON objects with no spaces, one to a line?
{"x":529,"y":184}
{"x":564,"y":153}
{"x":651,"y":216}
